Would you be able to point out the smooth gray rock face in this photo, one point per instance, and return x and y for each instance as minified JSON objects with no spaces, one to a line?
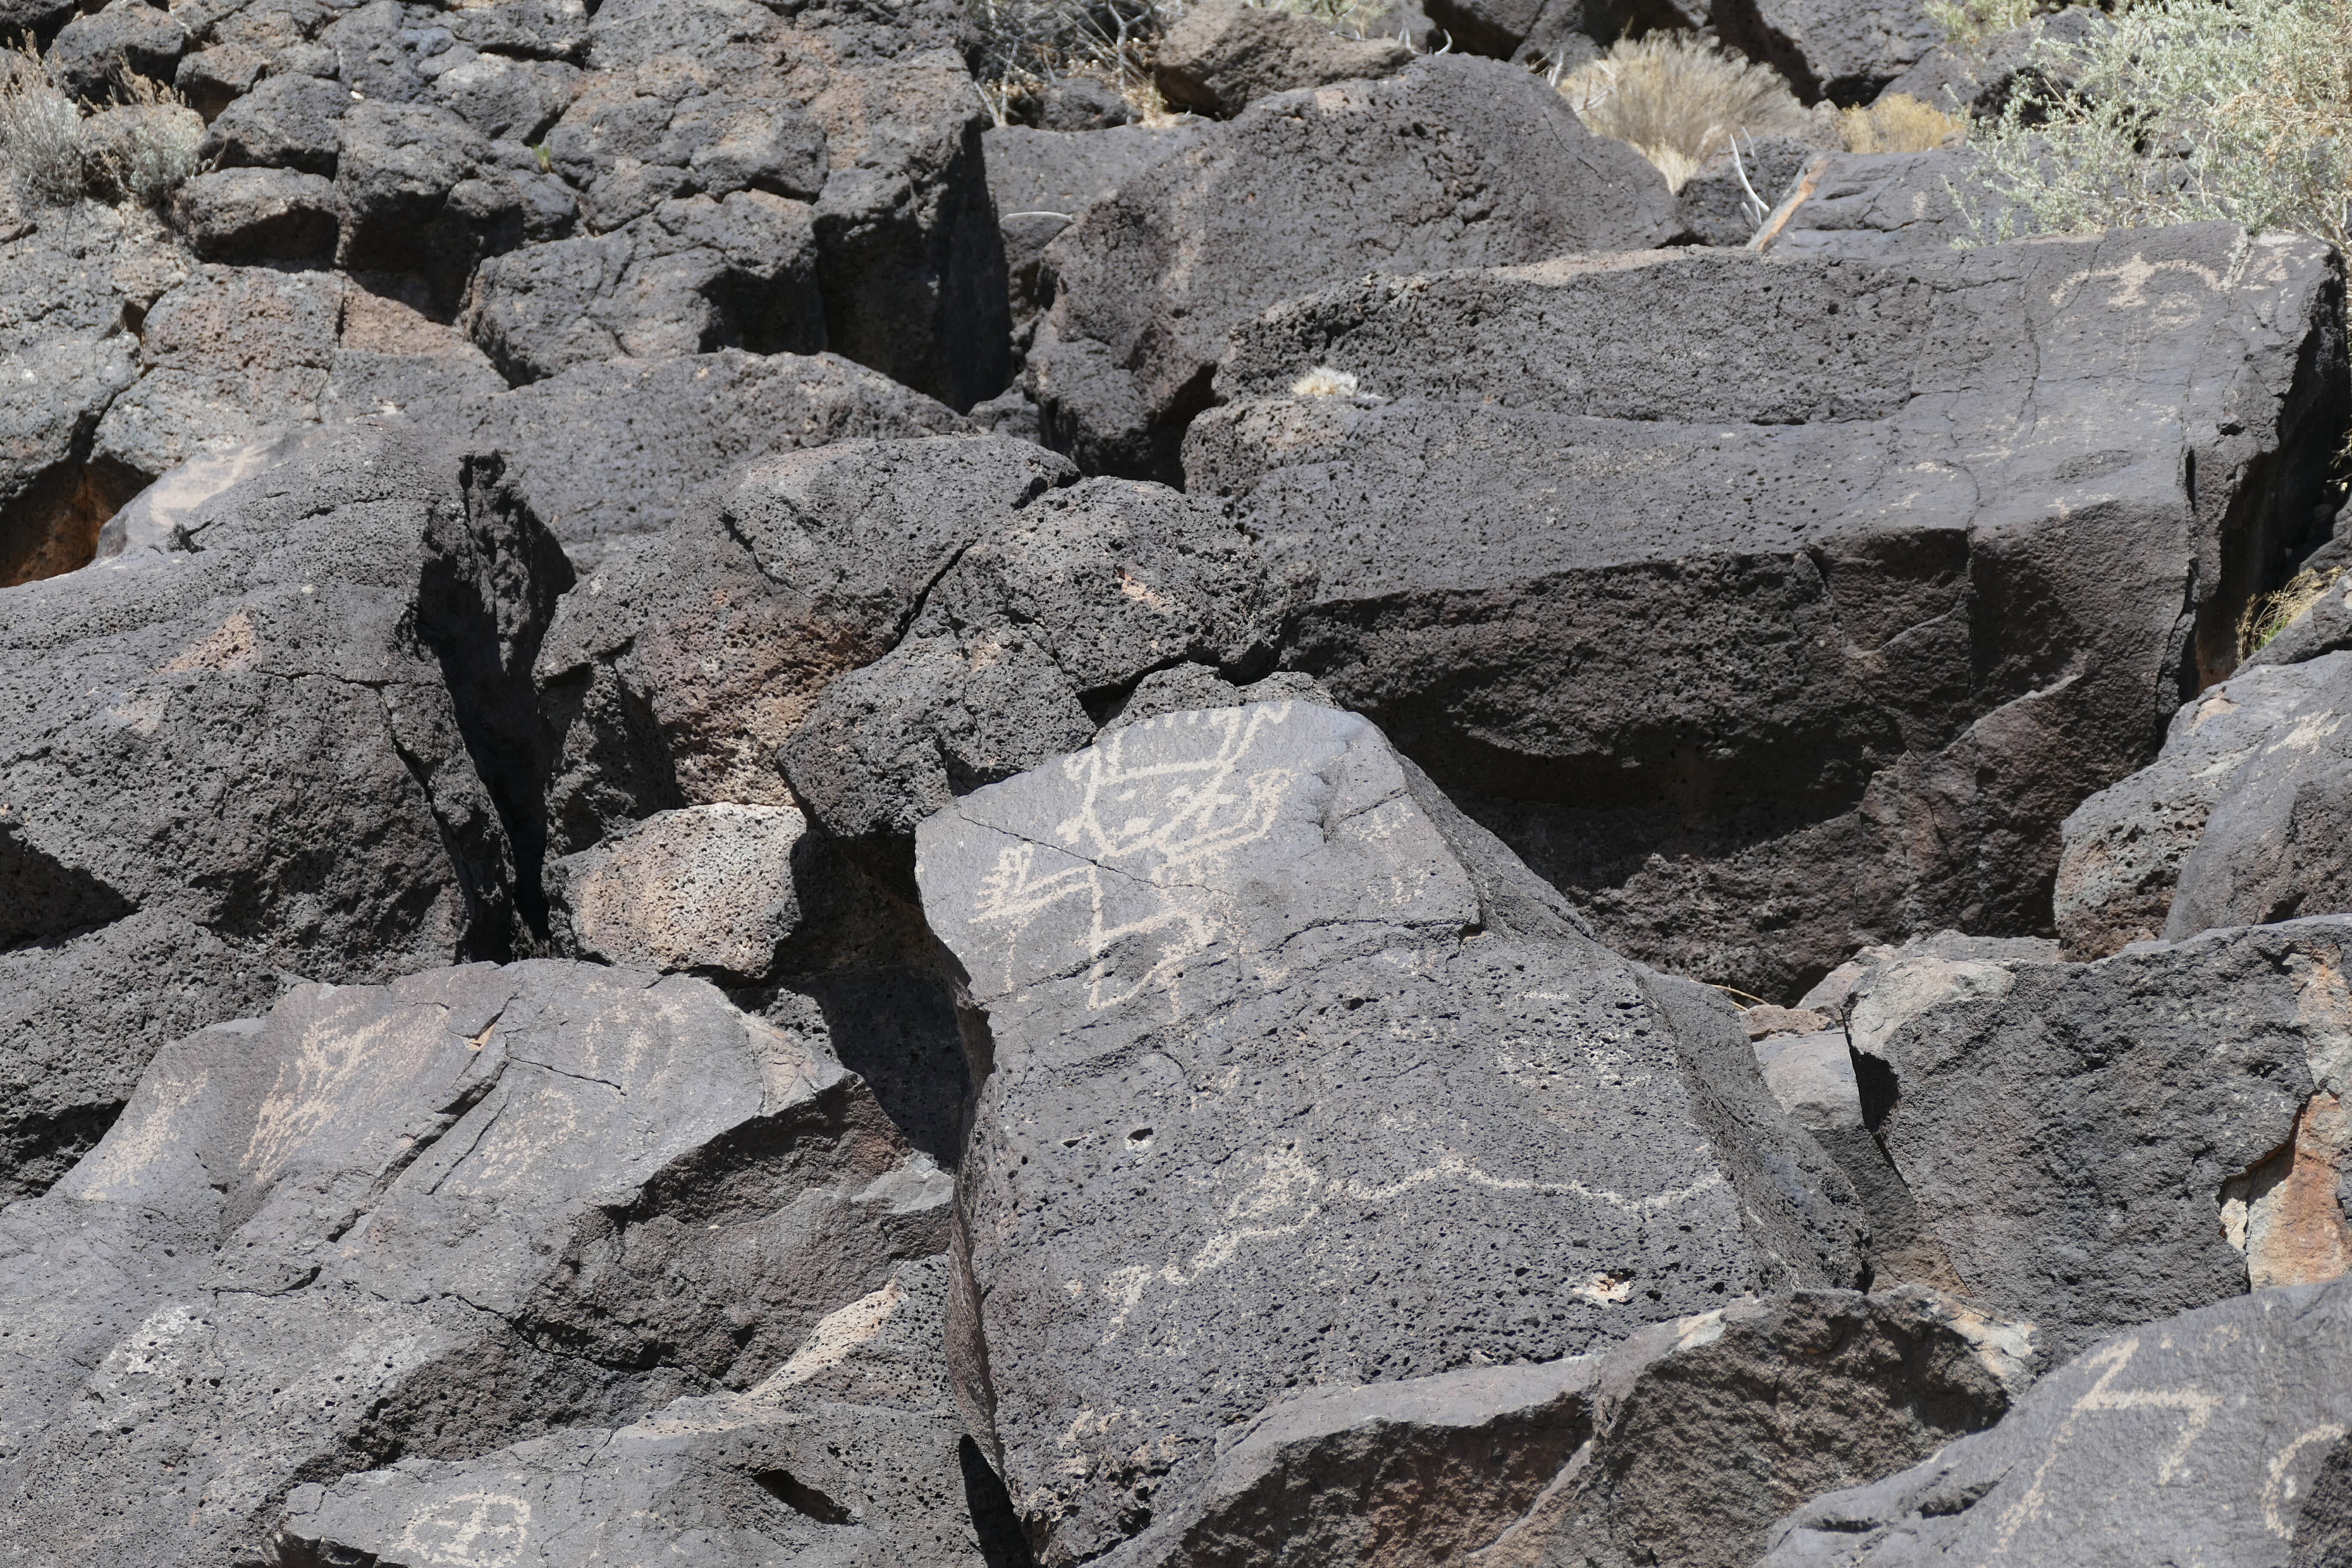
{"x":1455,"y":162}
{"x":2193,"y":1439}
{"x":1844,"y":50}
{"x":1051,"y":617}
{"x":1206,"y":956}
{"x":1678,"y":1446}
{"x":1766,"y":632}
{"x":302,"y":721}
{"x":427,"y":1218}
{"x":612,"y":453}
{"x":851,"y":1453}
{"x":1224,"y":56}
{"x":2240,"y":820}
{"x":2098,"y":1145}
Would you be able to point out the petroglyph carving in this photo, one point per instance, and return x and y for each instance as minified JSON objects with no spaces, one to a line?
{"x":472,"y":1529}
{"x":1152,"y":841}
{"x":2197,"y":1409}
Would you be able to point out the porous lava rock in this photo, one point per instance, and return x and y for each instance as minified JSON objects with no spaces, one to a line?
{"x":1455,"y":163}
{"x":1773,"y":608}
{"x":1205,"y":956}
{"x":425,"y":1219}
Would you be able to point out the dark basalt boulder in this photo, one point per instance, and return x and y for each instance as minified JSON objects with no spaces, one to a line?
{"x":1775,"y":608}
{"x":1680,"y":1447}
{"x":851,"y":1453}
{"x":2195,"y":1439}
{"x":1455,"y":162}
{"x":2240,"y":820}
{"x":2094,"y":1146}
{"x":426,"y":1219}
{"x":1224,"y":56}
{"x":296,"y":715}
{"x":1205,"y":960}
{"x":91,"y":54}
{"x":1551,"y":32}
{"x":1843,"y":50}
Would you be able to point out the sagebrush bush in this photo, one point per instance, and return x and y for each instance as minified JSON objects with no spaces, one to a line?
{"x":139,"y":149}
{"x":1678,"y":99}
{"x":1900,"y":123}
{"x":2181,"y":112}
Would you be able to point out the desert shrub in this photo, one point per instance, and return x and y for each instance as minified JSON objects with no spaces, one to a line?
{"x":139,"y":149}
{"x":41,"y":132}
{"x":2267,"y":615}
{"x":1899,"y":124}
{"x":2181,"y":112}
{"x":1679,"y":100}
{"x":1024,"y":45}
{"x":1970,"y":21}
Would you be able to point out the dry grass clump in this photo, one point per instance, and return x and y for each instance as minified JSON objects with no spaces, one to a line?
{"x":1324,"y":382}
{"x":1899,"y":124}
{"x":1027,"y":45}
{"x":2267,"y":615}
{"x":2182,"y":111}
{"x":1971,"y":21}
{"x":1678,"y":99}
{"x":54,"y":153}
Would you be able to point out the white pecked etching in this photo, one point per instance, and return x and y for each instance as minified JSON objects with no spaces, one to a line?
{"x":471,"y":1529}
{"x":2279,"y":1487}
{"x":2196,"y":1410}
{"x":1165,"y":829}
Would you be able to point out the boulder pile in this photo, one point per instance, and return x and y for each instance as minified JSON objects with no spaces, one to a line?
{"x":768,"y":799}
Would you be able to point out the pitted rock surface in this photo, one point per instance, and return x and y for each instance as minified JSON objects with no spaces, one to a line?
{"x":1209,"y":953}
{"x":1777,"y":608}
{"x":427,"y":1218}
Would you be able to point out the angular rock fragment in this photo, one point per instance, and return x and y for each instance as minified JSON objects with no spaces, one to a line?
{"x":1805,"y":627}
{"x":258,"y":214}
{"x":610,"y":453}
{"x":93,"y":53}
{"x":1978,"y":80}
{"x":302,"y":720}
{"x":2099,"y":1145}
{"x":1456,"y":163}
{"x":850,"y":1453}
{"x":1206,"y":958}
{"x":291,"y":121}
{"x":1224,"y":56}
{"x":427,"y":1218}
{"x":1841,"y":50}
{"x":701,"y":657}
{"x":1055,"y":613}
{"x":708,"y":887}
{"x":2192,"y":1439}
{"x":2240,"y":820}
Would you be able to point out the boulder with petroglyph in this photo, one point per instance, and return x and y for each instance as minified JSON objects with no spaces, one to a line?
{"x":427,"y":1218}
{"x":1293,"y":1076}
{"x":289,"y":727}
{"x":851,"y":1453}
{"x":2210,"y":1437}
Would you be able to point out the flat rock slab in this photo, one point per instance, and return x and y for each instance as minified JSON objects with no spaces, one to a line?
{"x":1297,"y":1077}
{"x":2098,"y":1145}
{"x":851,"y":1453}
{"x":427,"y":1218}
{"x":1680,"y":1447}
{"x":2194,"y":1439}
{"x":1777,"y":608}
{"x":1455,"y":162}
{"x":2240,"y":820}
